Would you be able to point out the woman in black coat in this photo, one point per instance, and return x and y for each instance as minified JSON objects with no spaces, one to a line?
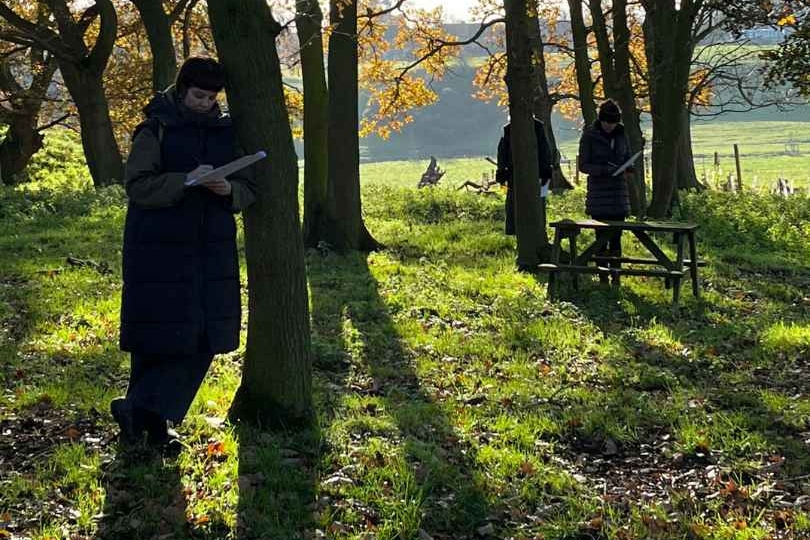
{"x":602,"y":149}
{"x":181,"y":294}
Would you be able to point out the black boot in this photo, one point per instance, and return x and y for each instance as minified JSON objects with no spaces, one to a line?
{"x":158,"y":434}
{"x":123,"y":413}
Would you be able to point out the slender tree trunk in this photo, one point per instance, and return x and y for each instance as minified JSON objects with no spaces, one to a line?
{"x":277,"y":374}
{"x":308,"y":21}
{"x":603,"y":46}
{"x":686,"y":175}
{"x":582,"y":62}
{"x":543,"y":107}
{"x":101,"y":151}
{"x":668,"y":44}
{"x":159,"y":32}
{"x":346,"y":230}
{"x":614,"y":61}
{"x":520,"y":80}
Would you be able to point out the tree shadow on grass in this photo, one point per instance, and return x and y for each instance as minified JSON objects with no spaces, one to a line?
{"x":389,"y":439}
{"x":698,"y":392}
{"x":143,"y":497}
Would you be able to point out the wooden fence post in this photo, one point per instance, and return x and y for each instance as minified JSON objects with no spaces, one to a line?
{"x":739,"y":169}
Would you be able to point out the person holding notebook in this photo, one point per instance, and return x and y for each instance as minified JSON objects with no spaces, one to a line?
{"x":181,"y":294}
{"x":604,"y":147}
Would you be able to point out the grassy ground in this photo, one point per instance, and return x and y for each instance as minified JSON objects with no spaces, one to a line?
{"x":454,"y":399}
{"x":762,"y":149}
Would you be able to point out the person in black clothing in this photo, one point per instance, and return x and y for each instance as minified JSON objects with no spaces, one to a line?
{"x":504,"y":171}
{"x":181,"y":300}
{"x":602,"y":148}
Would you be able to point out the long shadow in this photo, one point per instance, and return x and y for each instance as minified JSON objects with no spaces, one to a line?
{"x":712,"y":355}
{"x":366,"y":371}
{"x":143,"y":498}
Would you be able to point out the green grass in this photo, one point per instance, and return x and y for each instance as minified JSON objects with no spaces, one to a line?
{"x":453,"y":397}
{"x":762,"y":150}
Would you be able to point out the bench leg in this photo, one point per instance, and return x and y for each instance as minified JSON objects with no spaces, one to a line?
{"x":572,"y":240}
{"x":693,"y":264}
{"x":676,"y":290}
{"x":555,"y":259}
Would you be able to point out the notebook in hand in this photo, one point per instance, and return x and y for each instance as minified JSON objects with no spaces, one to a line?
{"x":629,"y":163}
{"x":228,"y":168}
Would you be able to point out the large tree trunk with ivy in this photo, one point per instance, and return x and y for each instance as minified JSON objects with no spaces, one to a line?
{"x":158,"y":27}
{"x":668,"y":43}
{"x":520,"y":80}
{"x":614,"y":61}
{"x":21,"y":141}
{"x":346,"y":230}
{"x":23,"y":138}
{"x":277,"y":374}
{"x":582,"y":62}
{"x":308,"y":21}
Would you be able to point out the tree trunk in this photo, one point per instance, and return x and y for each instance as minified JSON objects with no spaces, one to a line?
{"x":308,"y":21}
{"x":520,"y":81}
{"x":346,"y":230}
{"x":614,"y":60}
{"x":276,"y":383}
{"x":685,"y":167}
{"x":21,"y":142}
{"x":603,"y":46}
{"x":159,"y":32}
{"x":543,"y":106}
{"x":669,"y":47}
{"x":23,"y":139}
{"x":582,"y":62}
{"x":101,"y":151}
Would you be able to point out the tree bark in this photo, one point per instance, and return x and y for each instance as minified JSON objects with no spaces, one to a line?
{"x":21,"y":142}
{"x":83,"y":71}
{"x":685,"y":166}
{"x":543,"y":107}
{"x":346,"y":230}
{"x":669,"y":47}
{"x":520,"y":79}
{"x":158,"y":27}
{"x":21,"y":113}
{"x":98,"y":139}
{"x":308,"y":21}
{"x":614,"y":61}
{"x":276,"y":383}
{"x":582,"y":62}
{"x":625,"y":95}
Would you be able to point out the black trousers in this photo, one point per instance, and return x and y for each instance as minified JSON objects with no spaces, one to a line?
{"x":166,"y":385}
{"x":614,"y":245}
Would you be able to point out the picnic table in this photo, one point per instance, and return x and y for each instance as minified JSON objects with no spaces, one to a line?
{"x":659,"y":265}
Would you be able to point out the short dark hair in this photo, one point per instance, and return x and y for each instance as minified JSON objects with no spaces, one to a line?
{"x":201,"y":72}
{"x":610,"y":112}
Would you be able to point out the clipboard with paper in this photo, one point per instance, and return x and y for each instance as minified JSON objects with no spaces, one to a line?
{"x":627,"y":164}
{"x":227,"y":169}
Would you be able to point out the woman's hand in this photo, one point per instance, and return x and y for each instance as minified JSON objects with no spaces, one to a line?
{"x":220,"y":186}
